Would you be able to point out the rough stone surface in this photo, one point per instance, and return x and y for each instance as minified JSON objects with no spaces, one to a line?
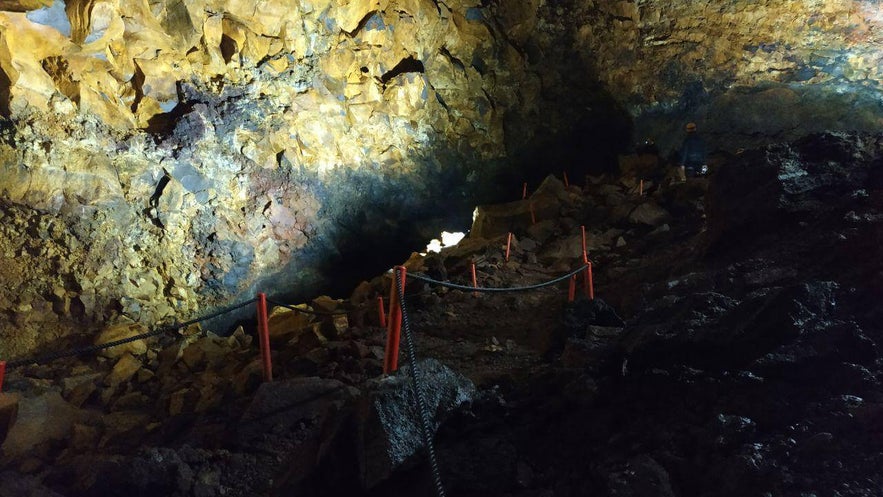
{"x":389,"y":428}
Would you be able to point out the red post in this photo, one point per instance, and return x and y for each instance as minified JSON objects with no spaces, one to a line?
{"x":394,"y":324}
{"x":566,"y":182}
{"x":474,"y":279}
{"x":264,"y":337}
{"x":2,"y":373}
{"x":533,"y":216}
{"x":524,"y":191}
{"x":641,"y":189}
{"x":590,"y":284}
{"x":571,"y":289}
{"x":585,"y":251}
{"x":508,"y":245}
{"x":381,"y":312}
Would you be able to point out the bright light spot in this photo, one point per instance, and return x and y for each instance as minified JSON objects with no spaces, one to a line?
{"x":447,"y":240}
{"x":474,"y":215}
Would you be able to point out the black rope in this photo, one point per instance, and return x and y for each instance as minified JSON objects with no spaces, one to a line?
{"x":95,"y":348}
{"x":416,"y":376}
{"x":466,"y":288}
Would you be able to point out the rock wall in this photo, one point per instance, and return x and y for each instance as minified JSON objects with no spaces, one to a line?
{"x":161,"y":158}
{"x":746,"y":71}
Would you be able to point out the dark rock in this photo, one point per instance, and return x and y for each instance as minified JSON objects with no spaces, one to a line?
{"x":641,"y":477}
{"x":389,"y":426}
{"x":711,"y":331}
{"x":17,"y":485}
{"x":583,"y":313}
{"x":299,"y":421}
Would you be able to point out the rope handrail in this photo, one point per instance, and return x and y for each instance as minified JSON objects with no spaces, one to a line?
{"x":466,"y":288}
{"x":95,"y":348}
{"x":417,"y":382}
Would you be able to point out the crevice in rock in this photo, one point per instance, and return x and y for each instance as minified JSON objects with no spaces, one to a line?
{"x":454,"y":60}
{"x":362,"y":23}
{"x":57,"y":68}
{"x":5,"y":84}
{"x":162,"y":125}
{"x":229,"y":48}
{"x":409,"y":64}
{"x":137,"y":85}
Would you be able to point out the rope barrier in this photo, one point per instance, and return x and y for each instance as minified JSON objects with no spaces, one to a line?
{"x":95,"y":348}
{"x":455,"y":286}
{"x":417,"y":379}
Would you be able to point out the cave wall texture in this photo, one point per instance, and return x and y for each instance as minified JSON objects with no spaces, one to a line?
{"x":295,"y":134}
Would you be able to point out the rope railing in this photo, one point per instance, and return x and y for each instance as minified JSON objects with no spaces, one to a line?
{"x":448,"y":284}
{"x":88,"y":349}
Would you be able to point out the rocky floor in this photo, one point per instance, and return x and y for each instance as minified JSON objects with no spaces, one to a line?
{"x":733,"y":351}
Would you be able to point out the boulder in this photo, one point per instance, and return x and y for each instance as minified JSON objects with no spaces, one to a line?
{"x":713,"y":331}
{"x":44,"y":418}
{"x":15,"y":484}
{"x":285,"y":324}
{"x":390,"y":436}
{"x":123,"y":370}
{"x":649,"y":213}
{"x":8,"y":413}
{"x":300,"y":421}
{"x":120,"y":332}
{"x":642,"y":476}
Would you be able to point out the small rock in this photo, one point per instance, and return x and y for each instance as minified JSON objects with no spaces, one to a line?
{"x":649,"y":213}
{"x":123,"y":370}
{"x":120,"y":332}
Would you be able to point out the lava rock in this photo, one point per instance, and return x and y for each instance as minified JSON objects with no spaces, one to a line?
{"x":390,"y":434}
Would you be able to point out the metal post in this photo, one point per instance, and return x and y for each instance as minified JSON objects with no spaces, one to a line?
{"x":2,"y":373}
{"x":508,"y":245}
{"x":264,"y":337}
{"x":474,"y":279}
{"x":585,"y":251}
{"x":394,"y":324}
{"x":566,"y":182}
{"x":381,"y":312}
{"x":590,"y":284}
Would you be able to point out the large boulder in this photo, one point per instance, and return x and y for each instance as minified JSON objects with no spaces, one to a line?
{"x":713,"y":331}
{"x":390,"y":436}
{"x":301,"y":422}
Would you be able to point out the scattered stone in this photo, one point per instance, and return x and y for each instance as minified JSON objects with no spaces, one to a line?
{"x":649,"y":213}
{"x":124,"y":369}
{"x":120,"y":332}
{"x":78,"y":389}
{"x":40,"y":419}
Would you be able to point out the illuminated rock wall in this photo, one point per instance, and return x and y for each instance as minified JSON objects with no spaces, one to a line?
{"x":292,"y":133}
